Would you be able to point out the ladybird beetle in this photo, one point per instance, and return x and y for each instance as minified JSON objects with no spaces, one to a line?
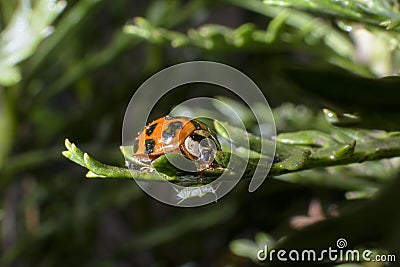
{"x":183,"y":135}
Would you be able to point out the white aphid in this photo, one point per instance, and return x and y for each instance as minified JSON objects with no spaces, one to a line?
{"x":199,"y":191}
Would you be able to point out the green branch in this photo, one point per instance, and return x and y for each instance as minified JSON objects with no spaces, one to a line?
{"x":100,"y":170}
{"x":379,"y":12}
{"x":295,"y":152}
{"x":328,"y":29}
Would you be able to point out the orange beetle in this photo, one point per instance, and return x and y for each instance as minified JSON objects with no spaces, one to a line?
{"x":187,"y":136}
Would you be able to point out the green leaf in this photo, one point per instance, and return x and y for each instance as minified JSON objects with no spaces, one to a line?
{"x":27,"y":28}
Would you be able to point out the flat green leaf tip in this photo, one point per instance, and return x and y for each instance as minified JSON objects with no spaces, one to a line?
{"x":96,"y":169}
{"x":73,"y":153}
{"x":91,"y":174}
{"x":295,"y":162}
{"x":345,"y":119}
{"x":344,"y":151}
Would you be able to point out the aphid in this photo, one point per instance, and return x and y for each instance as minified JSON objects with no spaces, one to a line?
{"x":199,"y":191}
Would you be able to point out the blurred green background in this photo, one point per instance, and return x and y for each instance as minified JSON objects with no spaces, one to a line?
{"x":69,"y":68}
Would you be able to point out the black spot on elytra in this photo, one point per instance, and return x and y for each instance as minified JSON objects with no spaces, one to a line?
{"x":196,"y":124}
{"x":149,"y":146}
{"x":135,"y":145}
{"x":150,"y":129}
{"x":170,"y":132}
{"x":197,"y":137}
